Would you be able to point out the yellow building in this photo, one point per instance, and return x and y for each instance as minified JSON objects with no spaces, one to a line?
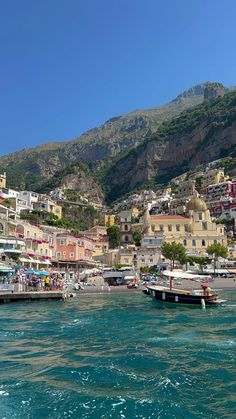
{"x":126,"y":256}
{"x":3,"y":180}
{"x":49,"y":206}
{"x":57,"y":210}
{"x":100,"y":246}
{"x":112,"y":257}
{"x":109,"y":220}
{"x":195,"y":231}
{"x":135,"y":212}
{"x":212,"y":177}
{"x":37,"y":243}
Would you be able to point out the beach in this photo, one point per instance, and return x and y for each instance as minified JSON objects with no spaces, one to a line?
{"x":227,"y":284}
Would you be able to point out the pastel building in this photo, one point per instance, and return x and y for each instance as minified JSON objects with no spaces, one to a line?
{"x":30,"y":198}
{"x":212,"y":177}
{"x":186,"y":189}
{"x":46,"y":204}
{"x":68,"y":248}
{"x":195,"y":231}
{"x":108,"y":219}
{"x":147,"y":257}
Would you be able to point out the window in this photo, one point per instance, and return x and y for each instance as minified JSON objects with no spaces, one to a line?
{"x":177,"y":227}
{"x":126,"y":227}
{"x":58,"y":255}
{"x":161,"y":227}
{"x":143,"y":260}
{"x":203,"y":243}
{"x":126,"y":238}
{"x":126,"y":260}
{"x":200,"y":216}
{"x":169,"y":227}
{"x":193,"y":242}
{"x":215,"y":241}
{"x":185,"y":242}
{"x":153,"y":228}
{"x":151,"y":260}
{"x":204,"y":225}
{"x":71,"y":254}
{"x":186,"y":229}
{"x":61,"y":242}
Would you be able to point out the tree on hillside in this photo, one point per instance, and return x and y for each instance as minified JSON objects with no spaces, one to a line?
{"x":217,"y":250}
{"x":173,"y":251}
{"x":113,"y":233}
{"x":137,"y":237}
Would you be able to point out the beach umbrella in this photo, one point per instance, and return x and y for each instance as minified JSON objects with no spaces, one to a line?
{"x":30,"y":272}
{"x":43,"y":273}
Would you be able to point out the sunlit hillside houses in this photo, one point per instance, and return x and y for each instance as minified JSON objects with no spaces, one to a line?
{"x":195,"y":230}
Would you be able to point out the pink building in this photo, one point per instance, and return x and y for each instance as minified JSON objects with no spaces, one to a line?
{"x":221,"y":190}
{"x":221,"y":199}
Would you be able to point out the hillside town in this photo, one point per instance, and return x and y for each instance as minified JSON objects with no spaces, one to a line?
{"x":194,"y":213}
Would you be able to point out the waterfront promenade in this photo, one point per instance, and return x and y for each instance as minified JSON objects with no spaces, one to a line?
{"x":11,"y":297}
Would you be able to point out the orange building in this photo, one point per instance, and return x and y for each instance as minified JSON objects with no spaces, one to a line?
{"x":69,"y":248}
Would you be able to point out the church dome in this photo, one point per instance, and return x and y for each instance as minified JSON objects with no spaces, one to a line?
{"x":196,"y":204}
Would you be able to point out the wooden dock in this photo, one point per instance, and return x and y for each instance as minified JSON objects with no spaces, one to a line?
{"x":11,"y":297}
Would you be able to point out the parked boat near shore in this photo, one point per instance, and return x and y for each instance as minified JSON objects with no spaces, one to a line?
{"x":165,"y":294}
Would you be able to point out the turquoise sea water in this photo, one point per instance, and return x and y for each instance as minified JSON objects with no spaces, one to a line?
{"x":117,"y":356}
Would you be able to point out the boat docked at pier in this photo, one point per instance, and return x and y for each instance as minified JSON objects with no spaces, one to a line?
{"x":170,"y":294}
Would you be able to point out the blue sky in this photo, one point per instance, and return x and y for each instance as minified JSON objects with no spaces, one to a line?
{"x":69,"y":65}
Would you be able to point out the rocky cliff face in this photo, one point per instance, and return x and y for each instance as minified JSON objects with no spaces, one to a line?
{"x":84,"y":185}
{"x":214,"y":90}
{"x":201,"y":135}
{"x":76,"y":178}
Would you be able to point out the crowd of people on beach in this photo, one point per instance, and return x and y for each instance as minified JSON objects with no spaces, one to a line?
{"x":30,"y":280}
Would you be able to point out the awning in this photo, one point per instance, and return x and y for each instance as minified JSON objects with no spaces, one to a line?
{"x":129,"y":277}
{"x":24,"y":260}
{"x":184,"y":275}
{"x":5,"y":268}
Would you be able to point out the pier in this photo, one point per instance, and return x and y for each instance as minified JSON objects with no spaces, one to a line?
{"x":11,"y":297}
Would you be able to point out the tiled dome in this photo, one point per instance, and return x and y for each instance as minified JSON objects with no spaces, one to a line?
{"x":196,"y":204}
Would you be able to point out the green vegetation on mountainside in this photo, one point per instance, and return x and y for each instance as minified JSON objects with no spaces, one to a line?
{"x":80,"y":218}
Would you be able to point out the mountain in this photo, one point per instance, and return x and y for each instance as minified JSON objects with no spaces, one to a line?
{"x":31,"y":168}
{"x":199,"y":135}
{"x":77,"y":183}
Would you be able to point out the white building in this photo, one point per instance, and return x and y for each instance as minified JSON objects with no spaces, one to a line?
{"x":30,"y":197}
